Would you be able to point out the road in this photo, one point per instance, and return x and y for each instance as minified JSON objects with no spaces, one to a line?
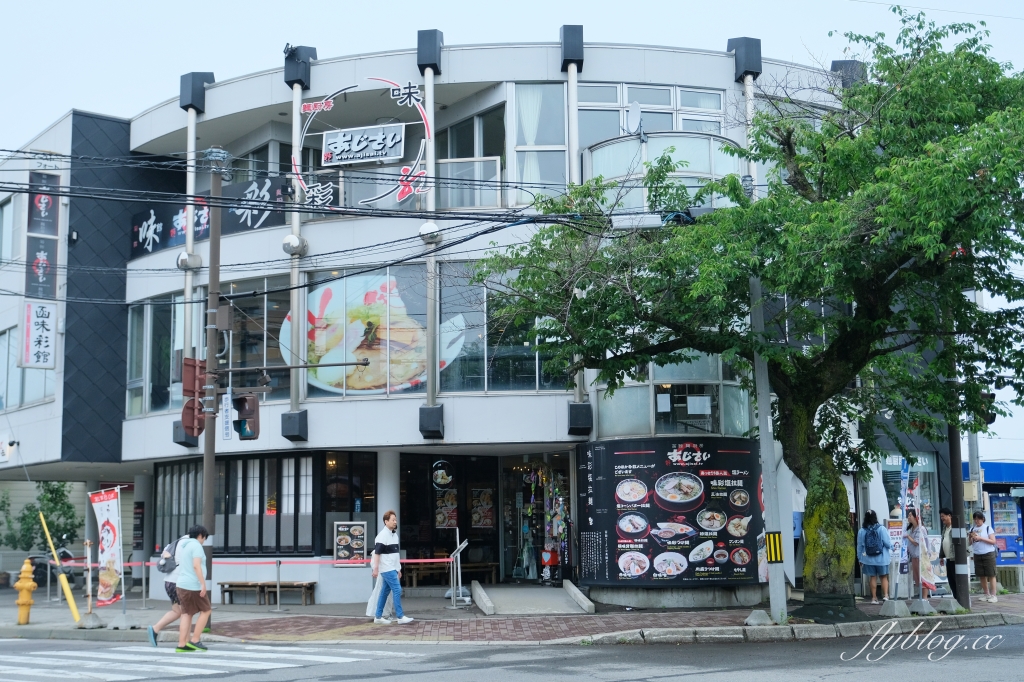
{"x":967,"y":658}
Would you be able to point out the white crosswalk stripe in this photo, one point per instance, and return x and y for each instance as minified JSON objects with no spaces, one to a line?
{"x":146,"y":663}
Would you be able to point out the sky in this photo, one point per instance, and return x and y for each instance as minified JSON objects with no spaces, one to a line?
{"x":120,"y":58}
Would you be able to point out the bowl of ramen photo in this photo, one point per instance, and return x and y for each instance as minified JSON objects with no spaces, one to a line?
{"x":632,"y":526}
{"x":634,"y":564}
{"x":711,"y":519}
{"x":678,"y":491}
{"x":670,"y":563}
{"x":739,"y":499}
{"x":740,"y":556}
{"x":737,"y":525}
{"x":631,"y":491}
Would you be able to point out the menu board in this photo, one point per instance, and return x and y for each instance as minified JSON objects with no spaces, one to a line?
{"x":481,"y":505}
{"x":446,"y":511}
{"x":350,"y":542}
{"x":668,"y":512}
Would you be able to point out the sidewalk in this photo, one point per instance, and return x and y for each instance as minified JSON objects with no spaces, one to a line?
{"x":434,"y":623}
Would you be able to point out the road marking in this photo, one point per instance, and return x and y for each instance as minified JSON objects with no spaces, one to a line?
{"x":358,"y":652}
{"x":235,"y":652}
{"x":29,"y":660}
{"x":164,"y":657}
{"x":48,"y":674}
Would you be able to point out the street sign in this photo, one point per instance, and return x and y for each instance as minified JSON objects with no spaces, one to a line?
{"x":773,"y":545}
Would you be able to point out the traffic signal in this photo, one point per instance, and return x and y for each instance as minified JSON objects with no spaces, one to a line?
{"x":989,"y":399}
{"x":248,"y":423}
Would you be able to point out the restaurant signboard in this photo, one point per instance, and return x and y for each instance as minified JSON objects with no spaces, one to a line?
{"x":670,"y":512}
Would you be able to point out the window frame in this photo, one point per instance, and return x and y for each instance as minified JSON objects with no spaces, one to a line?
{"x":654,"y":107}
{"x":512,"y":140}
{"x":705,"y":91}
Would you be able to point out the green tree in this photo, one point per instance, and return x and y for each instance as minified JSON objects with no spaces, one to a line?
{"x":25,"y":531}
{"x":889,"y":200}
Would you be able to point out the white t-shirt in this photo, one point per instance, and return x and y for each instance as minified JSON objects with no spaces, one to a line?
{"x":386,"y":546}
{"x":978,"y":547}
{"x":172,"y":577}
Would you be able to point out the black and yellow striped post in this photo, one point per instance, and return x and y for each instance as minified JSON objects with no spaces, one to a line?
{"x":773,"y":543}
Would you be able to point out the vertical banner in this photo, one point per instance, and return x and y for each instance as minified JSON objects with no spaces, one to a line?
{"x":138,"y":526}
{"x":41,"y":267}
{"x":225,"y":410}
{"x":904,"y":480}
{"x":39,"y":336}
{"x":106,"y":504}
{"x":42,"y":204}
{"x":446,"y":513}
{"x":482,"y":507}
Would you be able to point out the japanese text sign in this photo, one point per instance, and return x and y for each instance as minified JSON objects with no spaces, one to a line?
{"x":39,"y":335}
{"x":361,"y":145}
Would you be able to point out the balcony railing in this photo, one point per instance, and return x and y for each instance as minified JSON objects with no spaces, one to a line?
{"x":469,"y":183}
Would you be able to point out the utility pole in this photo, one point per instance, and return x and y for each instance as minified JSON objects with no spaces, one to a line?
{"x":217,"y":156}
{"x":958,"y":530}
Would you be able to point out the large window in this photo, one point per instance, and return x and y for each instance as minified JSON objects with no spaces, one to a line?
{"x":349,"y":492}
{"x":540,"y":139}
{"x":255,"y":336}
{"x":20,"y":386}
{"x":6,"y":229}
{"x":380,"y":317}
{"x":923,"y":488}
{"x":156,"y":343}
{"x":471,"y":156}
{"x":480,"y":352}
{"x":261,"y":506}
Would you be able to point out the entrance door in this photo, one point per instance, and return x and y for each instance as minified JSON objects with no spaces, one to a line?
{"x":535,"y":509}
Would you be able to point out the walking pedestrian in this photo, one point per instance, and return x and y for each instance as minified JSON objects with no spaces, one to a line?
{"x":917,"y":536}
{"x":946,"y":550}
{"x":873,"y":546}
{"x":983,"y":544}
{"x":386,"y":562}
{"x":192,"y":590}
{"x":169,"y":554}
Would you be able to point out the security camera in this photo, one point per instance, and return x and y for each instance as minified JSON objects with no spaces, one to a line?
{"x":189,"y":261}
{"x":295,"y":245}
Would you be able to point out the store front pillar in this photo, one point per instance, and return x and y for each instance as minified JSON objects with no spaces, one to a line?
{"x":144,"y":507}
{"x":388,"y":482}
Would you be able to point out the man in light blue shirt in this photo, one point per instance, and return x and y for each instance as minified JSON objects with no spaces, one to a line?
{"x":192,"y":590}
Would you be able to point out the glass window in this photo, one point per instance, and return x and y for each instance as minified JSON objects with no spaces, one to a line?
{"x":441,"y":144}
{"x":461,"y":348}
{"x":220,"y":507}
{"x":160,"y":358}
{"x":657,"y":121}
{"x":725,"y":164}
{"x":406,"y":301}
{"x":512,"y":355}
{"x":695,"y":151}
{"x":234,"y":505}
{"x":540,"y":173}
{"x":252,"y":505}
{"x":626,"y":413}
{"x":336,"y":499}
{"x":14,"y":373}
{"x":463,"y":143}
{"x":695,"y":99}
{"x":6,"y":230}
{"x":305,"y":506}
{"x":4,"y":339}
{"x":540,"y":112}
{"x":598,"y":125}
{"x":656,"y":96}
{"x":247,"y":335}
{"x":922,"y":488}
{"x":278,"y":305}
{"x":703,"y":368}
{"x":605,"y":94}
{"x":695,"y":125}
{"x":686,"y":408}
{"x":492,"y":124}
{"x":33,"y":386}
{"x":270,"y":503}
{"x":618,"y":159}
{"x":735,"y":411}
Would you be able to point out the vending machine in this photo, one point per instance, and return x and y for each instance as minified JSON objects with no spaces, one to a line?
{"x":1006,"y":522}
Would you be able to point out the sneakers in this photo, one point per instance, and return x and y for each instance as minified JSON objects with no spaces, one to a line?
{"x":381,"y":621}
{"x":403,"y":620}
{"x":184,"y":650}
{"x":152,"y":635}
{"x":993,"y":599}
{"x":195,"y":646}
{"x":874,"y":601}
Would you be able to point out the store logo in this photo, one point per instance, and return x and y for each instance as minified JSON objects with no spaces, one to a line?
{"x":687,"y":453}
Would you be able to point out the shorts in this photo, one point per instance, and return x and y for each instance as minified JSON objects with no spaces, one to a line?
{"x":172,"y":592}
{"x":870,"y":570}
{"x":985,"y":565}
{"x":192,"y":603}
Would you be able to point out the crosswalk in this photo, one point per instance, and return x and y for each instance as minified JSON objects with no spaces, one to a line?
{"x":130,"y":663}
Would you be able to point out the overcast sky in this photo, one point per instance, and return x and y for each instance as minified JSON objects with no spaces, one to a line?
{"x":120,"y":58}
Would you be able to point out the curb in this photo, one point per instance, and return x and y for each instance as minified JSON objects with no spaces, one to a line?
{"x":704,"y":635}
{"x":480,"y":598}
{"x":578,"y":597}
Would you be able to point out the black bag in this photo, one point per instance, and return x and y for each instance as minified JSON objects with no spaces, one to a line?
{"x":167,"y":563}
{"x":872,"y":541}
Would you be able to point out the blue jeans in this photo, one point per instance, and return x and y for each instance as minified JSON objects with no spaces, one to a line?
{"x":391,"y":585}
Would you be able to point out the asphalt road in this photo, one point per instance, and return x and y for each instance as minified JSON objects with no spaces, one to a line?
{"x":963,"y":656}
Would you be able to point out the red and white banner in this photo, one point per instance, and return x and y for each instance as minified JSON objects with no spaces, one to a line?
{"x":106,"y":504}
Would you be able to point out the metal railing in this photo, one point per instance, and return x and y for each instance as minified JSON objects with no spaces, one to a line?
{"x":469,"y":183}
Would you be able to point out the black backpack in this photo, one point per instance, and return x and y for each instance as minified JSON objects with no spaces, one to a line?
{"x":167,"y":563}
{"x":872,"y":541}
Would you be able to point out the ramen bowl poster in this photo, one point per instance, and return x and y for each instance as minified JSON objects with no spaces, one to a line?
{"x":670,"y":512}
{"x":106,"y":504}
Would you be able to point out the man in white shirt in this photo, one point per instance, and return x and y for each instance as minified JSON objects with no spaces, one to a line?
{"x":983,"y":544}
{"x":386,"y":562}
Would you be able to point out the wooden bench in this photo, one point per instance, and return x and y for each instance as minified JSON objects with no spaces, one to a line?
{"x":229,"y":589}
{"x":308,"y":590}
{"x":416,"y":571}
{"x":482,"y":567}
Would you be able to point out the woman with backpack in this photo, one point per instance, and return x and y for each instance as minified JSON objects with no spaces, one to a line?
{"x":873,"y":545}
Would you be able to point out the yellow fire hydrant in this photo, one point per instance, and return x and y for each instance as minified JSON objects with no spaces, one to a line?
{"x":25,"y":587}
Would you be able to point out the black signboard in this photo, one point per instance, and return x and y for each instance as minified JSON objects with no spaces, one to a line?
{"x":670,"y":512}
{"x":41,"y":268}
{"x":162,"y":226}
{"x":42,"y":204}
{"x":138,"y":525}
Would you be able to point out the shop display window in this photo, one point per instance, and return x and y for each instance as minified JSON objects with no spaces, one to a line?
{"x":349,"y":492}
{"x":686,"y":408}
{"x":20,"y":386}
{"x":922,"y":488}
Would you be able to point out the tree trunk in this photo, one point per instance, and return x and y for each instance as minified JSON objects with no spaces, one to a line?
{"x":830,"y":551}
